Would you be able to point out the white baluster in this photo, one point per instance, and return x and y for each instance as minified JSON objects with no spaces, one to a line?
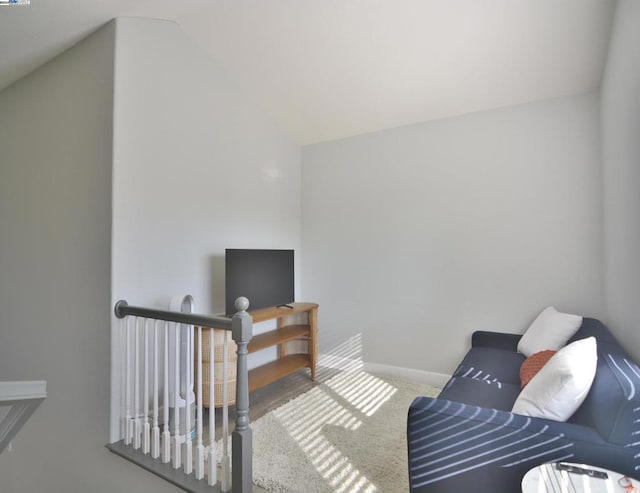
{"x":146,"y":427}
{"x":122,"y":351}
{"x":177,"y":456}
{"x":166,"y":435}
{"x":129,"y":424}
{"x":199,"y":446}
{"x":155,"y":431}
{"x":226,"y":461}
{"x":212,"y":472}
{"x":188,"y":444}
{"x":136,"y":388}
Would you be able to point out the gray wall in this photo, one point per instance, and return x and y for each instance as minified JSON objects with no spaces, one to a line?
{"x":621,"y":175}
{"x":416,"y":236}
{"x":413,"y":237}
{"x":55,"y":260}
{"x":135,"y":112}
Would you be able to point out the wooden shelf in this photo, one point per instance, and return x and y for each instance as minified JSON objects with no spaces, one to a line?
{"x":269,"y":373}
{"x":273,"y":313}
{"x":283,"y":334}
{"x":287,"y":330}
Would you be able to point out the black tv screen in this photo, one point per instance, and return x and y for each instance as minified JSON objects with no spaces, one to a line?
{"x":263,"y":276}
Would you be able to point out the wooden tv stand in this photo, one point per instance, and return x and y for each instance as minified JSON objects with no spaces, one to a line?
{"x":275,"y":370}
{"x":286,"y":364}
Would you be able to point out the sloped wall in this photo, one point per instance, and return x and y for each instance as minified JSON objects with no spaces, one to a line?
{"x":129,"y":163}
{"x":197,"y":169}
{"x":55,"y":260}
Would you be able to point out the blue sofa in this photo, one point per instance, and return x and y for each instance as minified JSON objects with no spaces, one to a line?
{"x":468,"y":440}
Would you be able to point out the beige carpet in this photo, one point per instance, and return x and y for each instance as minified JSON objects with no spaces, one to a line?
{"x":346,"y":435}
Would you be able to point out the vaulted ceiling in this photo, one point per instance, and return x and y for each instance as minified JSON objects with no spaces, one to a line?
{"x":335,"y":68}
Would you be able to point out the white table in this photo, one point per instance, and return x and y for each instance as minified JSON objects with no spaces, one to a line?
{"x":546,"y":478}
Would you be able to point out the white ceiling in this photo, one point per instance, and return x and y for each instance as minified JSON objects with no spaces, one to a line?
{"x":327,"y":69}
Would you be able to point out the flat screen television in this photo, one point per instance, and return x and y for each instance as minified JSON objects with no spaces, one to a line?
{"x":263,"y":276}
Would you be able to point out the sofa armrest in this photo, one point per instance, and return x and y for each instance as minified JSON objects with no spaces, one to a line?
{"x":496,"y":340}
{"x":453,"y":445}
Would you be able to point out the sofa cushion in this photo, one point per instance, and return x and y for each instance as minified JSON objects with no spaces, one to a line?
{"x":496,"y":340}
{"x":562,"y":384}
{"x":483,"y":393}
{"x":484,"y":363}
{"x":550,"y":330}
{"x":592,"y":327}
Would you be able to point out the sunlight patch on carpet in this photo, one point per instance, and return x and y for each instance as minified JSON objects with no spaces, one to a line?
{"x":345,"y":436}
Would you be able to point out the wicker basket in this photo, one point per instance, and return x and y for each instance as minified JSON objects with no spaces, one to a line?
{"x":218,"y":354}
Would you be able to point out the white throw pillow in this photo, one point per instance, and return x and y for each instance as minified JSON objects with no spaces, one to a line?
{"x":560,"y":387}
{"x":550,"y":330}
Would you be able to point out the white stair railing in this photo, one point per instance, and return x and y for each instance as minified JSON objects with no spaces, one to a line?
{"x":157,"y":427}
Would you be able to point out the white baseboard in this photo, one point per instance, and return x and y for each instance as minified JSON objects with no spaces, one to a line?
{"x":409,"y":374}
{"x":339,"y":362}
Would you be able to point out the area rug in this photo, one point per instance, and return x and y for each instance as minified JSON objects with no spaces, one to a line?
{"x":346,"y":435}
